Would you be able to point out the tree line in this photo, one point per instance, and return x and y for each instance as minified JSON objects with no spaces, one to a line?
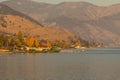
{"x":20,"y":41}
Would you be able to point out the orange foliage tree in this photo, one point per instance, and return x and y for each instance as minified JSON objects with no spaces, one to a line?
{"x":78,"y":43}
{"x":32,"y":42}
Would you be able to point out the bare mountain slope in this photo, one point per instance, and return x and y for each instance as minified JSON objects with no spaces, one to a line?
{"x":12,"y":21}
{"x":88,"y":21}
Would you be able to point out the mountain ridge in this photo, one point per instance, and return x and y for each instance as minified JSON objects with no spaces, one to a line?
{"x":11,"y":22}
{"x":90,"y":22}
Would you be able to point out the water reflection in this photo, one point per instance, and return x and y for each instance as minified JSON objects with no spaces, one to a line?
{"x":60,"y":67}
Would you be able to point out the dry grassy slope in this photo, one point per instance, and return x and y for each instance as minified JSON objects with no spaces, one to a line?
{"x":86,"y":20}
{"x":44,"y":12}
{"x":76,"y":10}
{"x":13,"y":24}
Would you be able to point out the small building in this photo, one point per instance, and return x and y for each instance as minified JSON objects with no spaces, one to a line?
{"x":36,"y":49}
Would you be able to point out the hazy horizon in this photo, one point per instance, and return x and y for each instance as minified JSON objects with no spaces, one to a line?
{"x":95,"y":2}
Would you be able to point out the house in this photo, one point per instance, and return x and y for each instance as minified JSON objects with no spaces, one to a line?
{"x":36,"y":49}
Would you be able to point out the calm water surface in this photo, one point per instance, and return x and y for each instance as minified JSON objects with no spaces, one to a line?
{"x":90,"y":65}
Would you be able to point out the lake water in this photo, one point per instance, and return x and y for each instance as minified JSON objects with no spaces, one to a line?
{"x":100,"y":64}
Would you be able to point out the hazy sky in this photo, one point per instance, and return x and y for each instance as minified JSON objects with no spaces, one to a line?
{"x":97,"y":2}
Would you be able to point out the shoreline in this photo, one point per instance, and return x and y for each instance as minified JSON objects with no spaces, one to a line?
{"x":62,"y":51}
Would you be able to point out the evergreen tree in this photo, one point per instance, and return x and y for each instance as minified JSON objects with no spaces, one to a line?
{"x":20,"y":37}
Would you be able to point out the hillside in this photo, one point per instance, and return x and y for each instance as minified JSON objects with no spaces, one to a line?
{"x":86,"y":20}
{"x":11,"y":22}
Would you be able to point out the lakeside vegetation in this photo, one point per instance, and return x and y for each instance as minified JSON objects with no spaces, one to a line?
{"x":27,"y":44}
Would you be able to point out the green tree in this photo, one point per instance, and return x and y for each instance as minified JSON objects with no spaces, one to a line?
{"x":20,"y":37}
{"x":3,"y":41}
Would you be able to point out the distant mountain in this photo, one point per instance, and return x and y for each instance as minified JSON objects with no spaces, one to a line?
{"x":88,"y":21}
{"x":11,"y":22}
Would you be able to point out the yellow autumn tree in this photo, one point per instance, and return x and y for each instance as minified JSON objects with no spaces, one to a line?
{"x":20,"y":36}
{"x":32,"y":42}
{"x":29,"y":42}
{"x":78,"y":43}
{"x":37,"y":44}
{"x":48,"y":44}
